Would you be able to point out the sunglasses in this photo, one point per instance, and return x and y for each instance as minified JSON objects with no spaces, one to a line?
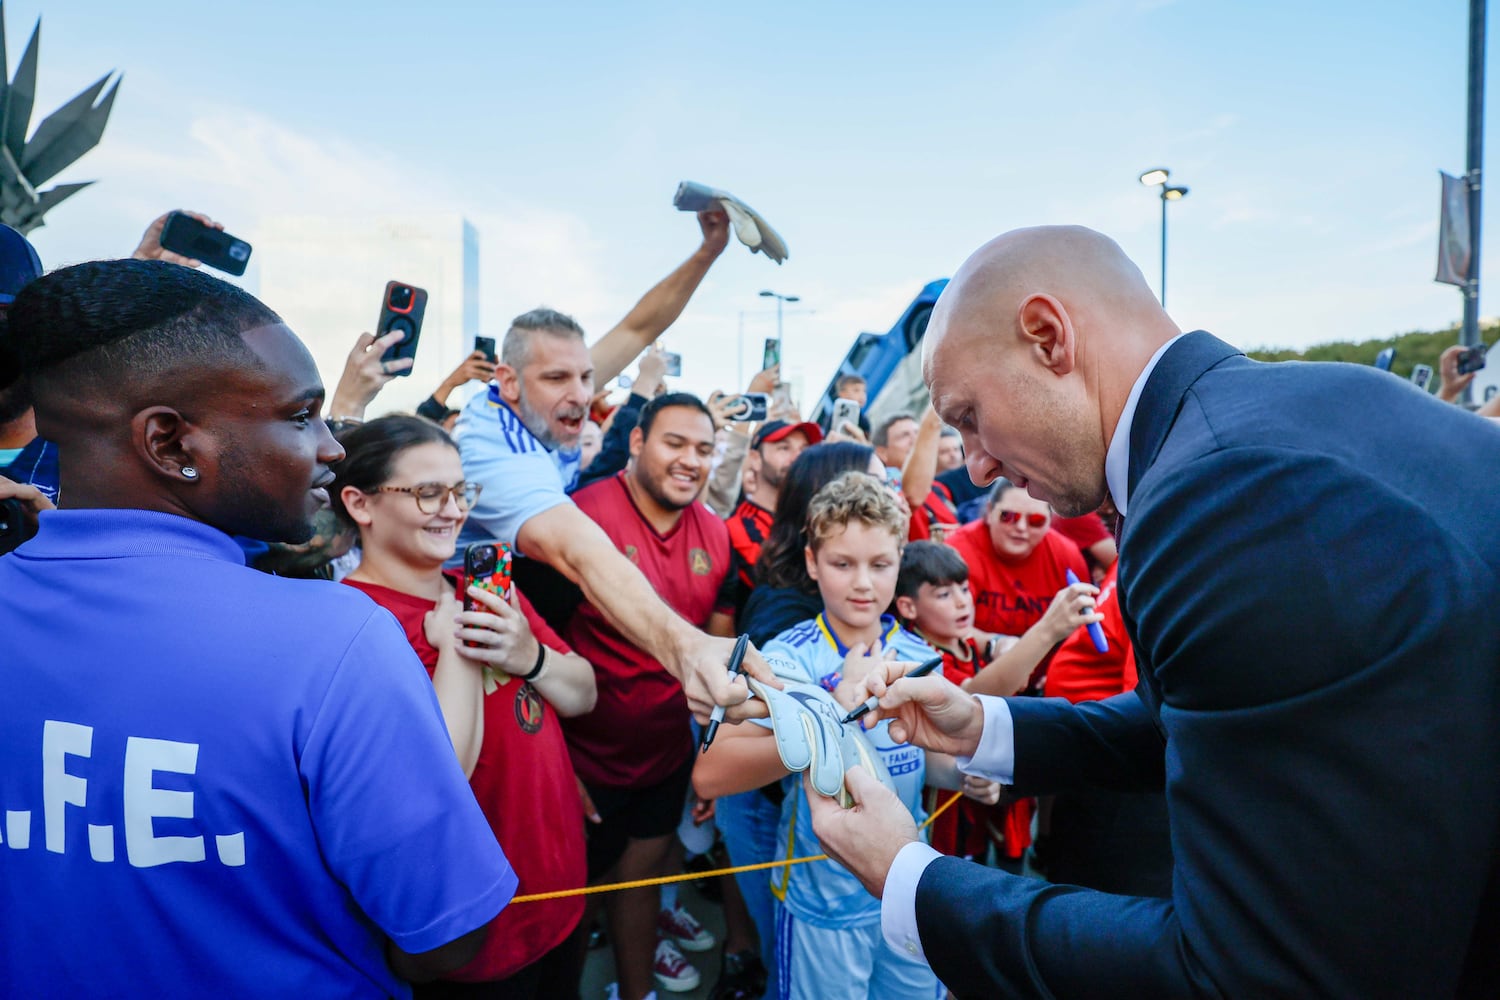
{"x":1032,"y":520}
{"x":431,"y":497}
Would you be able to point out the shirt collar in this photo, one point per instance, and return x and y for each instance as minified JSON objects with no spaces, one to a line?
{"x":566,"y":455}
{"x":120,"y":533}
{"x":888,"y":629}
{"x":1117,"y":458}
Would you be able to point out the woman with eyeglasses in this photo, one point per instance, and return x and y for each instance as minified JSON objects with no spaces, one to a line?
{"x":401,"y":486}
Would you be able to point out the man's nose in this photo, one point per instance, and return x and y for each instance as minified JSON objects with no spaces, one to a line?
{"x":983,"y":467}
{"x":329,"y":450}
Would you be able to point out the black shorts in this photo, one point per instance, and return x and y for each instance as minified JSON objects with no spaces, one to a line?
{"x":633,"y":814}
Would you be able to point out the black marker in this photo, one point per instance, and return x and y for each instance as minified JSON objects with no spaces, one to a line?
{"x":872,"y":702}
{"x":736,"y":663}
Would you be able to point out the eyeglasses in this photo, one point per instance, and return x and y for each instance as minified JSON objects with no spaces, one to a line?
{"x":1032,"y":520}
{"x":432,"y":497}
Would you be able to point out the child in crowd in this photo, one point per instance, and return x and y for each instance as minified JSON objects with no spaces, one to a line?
{"x":829,"y":942}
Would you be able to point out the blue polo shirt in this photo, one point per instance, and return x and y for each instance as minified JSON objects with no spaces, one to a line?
{"x":521,"y":476}
{"x":215,"y":782}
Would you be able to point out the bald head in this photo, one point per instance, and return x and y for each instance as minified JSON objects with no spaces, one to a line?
{"x":1031,"y":353}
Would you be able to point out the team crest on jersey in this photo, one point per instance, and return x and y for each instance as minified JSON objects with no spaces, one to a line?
{"x":633,"y":554}
{"x":529,"y":714}
{"x":702,"y":565}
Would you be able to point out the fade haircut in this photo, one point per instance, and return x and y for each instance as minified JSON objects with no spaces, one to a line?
{"x":659,"y":403}
{"x":515,"y":350}
{"x":136,"y":320}
{"x":882,"y":435}
{"x":854,"y":496}
{"x":932,"y":563}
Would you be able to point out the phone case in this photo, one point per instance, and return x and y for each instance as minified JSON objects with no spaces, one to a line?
{"x":407,"y":318}
{"x":771,"y":354}
{"x":185,"y":235}
{"x":486,"y":566}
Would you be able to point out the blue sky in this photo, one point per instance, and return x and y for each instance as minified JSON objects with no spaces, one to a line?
{"x":885,"y":141}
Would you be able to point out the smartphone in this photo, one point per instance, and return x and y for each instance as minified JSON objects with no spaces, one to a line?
{"x":1421,"y":375}
{"x":674,"y":362}
{"x":401,"y":309}
{"x":1384,"y":358}
{"x":1472,"y":360}
{"x":486,"y":566}
{"x":770,"y":356}
{"x":749,"y":406}
{"x":486,"y":346}
{"x":186,"y":235}
{"x":12,"y":524}
{"x":845,"y":411}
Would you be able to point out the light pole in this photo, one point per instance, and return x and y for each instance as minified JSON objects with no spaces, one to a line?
{"x":768,"y":294}
{"x":1157,"y":177}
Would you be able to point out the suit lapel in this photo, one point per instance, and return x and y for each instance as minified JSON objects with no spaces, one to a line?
{"x":1155,"y":412}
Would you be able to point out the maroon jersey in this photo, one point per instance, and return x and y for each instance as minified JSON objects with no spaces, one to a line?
{"x":639,"y":732}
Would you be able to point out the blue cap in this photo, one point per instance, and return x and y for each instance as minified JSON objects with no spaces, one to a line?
{"x":19,"y":264}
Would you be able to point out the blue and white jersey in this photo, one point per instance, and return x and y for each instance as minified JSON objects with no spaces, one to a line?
{"x":823,"y":893}
{"x":521,"y":476}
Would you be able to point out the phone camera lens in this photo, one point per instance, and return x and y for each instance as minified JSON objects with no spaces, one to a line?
{"x":401,"y":298}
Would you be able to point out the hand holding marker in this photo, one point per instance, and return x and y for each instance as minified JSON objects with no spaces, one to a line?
{"x":736,"y":667}
{"x":872,"y":702}
{"x":1096,"y":631}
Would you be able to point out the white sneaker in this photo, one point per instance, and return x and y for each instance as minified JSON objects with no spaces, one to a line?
{"x":673,"y":971}
{"x":681,"y":926}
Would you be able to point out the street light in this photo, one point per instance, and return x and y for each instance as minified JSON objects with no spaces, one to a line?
{"x":1157,"y":177}
{"x":768,"y":294}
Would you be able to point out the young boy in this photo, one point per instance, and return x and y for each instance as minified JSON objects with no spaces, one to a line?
{"x":829,"y":943}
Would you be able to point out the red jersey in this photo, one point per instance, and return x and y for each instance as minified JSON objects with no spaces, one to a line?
{"x":1078,"y":671}
{"x":639,"y":732}
{"x":1009,"y":598}
{"x":1082,"y":531}
{"x":524,"y":784}
{"x":749,"y":527}
{"x":938,"y":508}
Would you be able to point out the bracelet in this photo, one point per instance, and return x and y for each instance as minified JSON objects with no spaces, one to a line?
{"x":541,"y":661}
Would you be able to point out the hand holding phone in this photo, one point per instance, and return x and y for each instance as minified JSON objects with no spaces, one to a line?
{"x":184,"y":235}
{"x":749,"y":406}
{"x":486,"y":346}
{"x":1472,"y":359}
{"x":401,"y":310}
{"x":845,"y":411}
{"x":486,"y":566}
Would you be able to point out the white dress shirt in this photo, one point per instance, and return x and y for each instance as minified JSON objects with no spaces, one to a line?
{"x":995,"y":757}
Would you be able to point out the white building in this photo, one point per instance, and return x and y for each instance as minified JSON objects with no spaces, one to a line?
{"x":325,"y":276}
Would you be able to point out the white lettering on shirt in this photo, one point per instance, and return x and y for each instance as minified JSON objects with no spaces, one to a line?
{"x":144,"y":802}
{"x":59,"y":788}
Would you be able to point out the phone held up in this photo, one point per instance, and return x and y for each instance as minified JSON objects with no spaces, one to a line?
{"x":401,"y":309}
{"x":486,"y":566}
{"x":771,"y":355}
{"x":845,"y":411}
{"x":674,"y":363}
{"x":1472,"y":359}
{"x":1384,"y":359}
{"x":185,"y":235}
{"x":486,"y":346}
{"x":1421,"y":375}
{"x":749,"y":406}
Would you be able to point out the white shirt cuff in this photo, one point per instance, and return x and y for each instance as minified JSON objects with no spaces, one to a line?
{"x":995,"y":757}
{"x":898,"y":906}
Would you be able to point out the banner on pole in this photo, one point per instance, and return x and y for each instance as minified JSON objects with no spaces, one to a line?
{"x":1453,"y":232}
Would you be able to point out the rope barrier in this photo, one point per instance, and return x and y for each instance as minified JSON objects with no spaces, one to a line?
{"x":642,"y":883}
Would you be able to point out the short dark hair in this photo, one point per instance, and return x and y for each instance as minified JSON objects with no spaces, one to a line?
{"x":845,"y":381}
{"x":140,"y":318}
{"x":882,"y":435}
{"x":665,"y":400}
{"x":931,"y":563}
{"x":371,"y":450}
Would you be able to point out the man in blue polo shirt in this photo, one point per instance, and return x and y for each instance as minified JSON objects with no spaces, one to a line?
{"x":520,"y":441}
{"x":213,"y":782}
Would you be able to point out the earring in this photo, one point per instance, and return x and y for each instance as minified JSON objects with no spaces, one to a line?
{"x":188,"y":472}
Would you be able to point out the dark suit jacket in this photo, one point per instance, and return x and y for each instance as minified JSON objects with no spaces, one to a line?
{"x":1310,"y":570}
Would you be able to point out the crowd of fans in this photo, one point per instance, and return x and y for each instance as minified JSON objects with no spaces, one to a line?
{"x":647,"y":532}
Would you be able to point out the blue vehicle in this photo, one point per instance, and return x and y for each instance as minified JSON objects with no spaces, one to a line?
{"x":890,"y":362}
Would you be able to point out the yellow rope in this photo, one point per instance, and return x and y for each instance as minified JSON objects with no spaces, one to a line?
{"x":694,"y":876}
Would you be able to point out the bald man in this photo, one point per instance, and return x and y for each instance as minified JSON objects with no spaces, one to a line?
{"x":1310,"y":578}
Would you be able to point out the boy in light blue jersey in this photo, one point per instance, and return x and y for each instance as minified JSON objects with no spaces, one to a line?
{"x":829,"y":943}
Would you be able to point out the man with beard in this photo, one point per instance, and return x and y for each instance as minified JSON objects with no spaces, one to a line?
{"x":773,"y":449}
{"x":198,"y":804}
{"x":634,"y":751}
{"x":520,"y":442}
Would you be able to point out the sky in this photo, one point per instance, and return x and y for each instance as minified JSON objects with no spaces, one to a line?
{"x":884,"y":141}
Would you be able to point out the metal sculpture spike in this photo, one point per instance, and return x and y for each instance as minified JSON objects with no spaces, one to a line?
{"x":62,"y":137}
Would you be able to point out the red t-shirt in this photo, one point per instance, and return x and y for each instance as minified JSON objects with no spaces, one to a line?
{"x":524,"y":784}
{"x":749,"y":526}
{"x":639,"y":732}
{"x":1009,"y":598}
{"x":1078,"y":671}
{"x":938,"y":508}
{"x":1084,"y":531}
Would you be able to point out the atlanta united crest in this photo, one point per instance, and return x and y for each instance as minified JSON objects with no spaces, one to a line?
{"x":700,"y":563}
{"x":529,"y":714}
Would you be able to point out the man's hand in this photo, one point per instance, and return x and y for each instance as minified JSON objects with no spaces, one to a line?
{"x":866,"y":837}
{"x":720,"y":409}
{"x":715,"y":226}
{"x":1453,"y":383}
{"x":476,"y":367}
{"x":651,"y":373}
{"x":702,"y":665}
{"x":365,"y":374}
{"x":932,"y":712}
{"x":150,"y":247}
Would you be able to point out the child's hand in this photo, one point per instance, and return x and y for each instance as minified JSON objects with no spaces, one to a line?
{"x":981,"y":790}
{"x":1073,"y":606}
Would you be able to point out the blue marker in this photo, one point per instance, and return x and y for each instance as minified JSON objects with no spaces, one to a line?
{"x":1096,"y":631}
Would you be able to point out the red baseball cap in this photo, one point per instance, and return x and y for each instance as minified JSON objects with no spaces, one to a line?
{"x":775,"y":430}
